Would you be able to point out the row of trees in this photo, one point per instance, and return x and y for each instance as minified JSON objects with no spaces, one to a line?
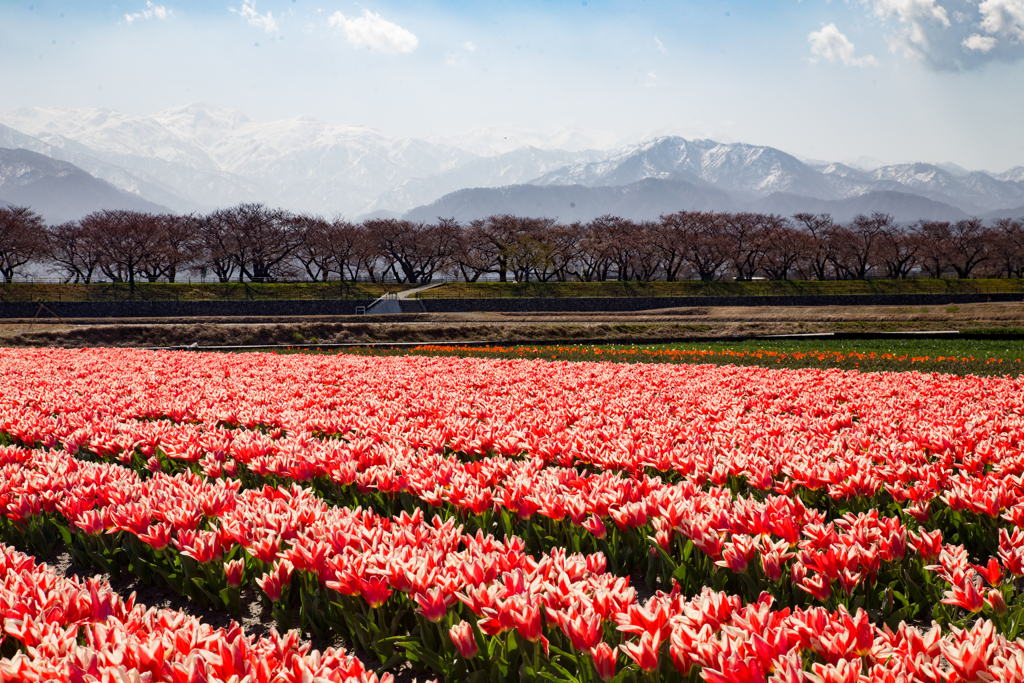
{"x":256,"y":243}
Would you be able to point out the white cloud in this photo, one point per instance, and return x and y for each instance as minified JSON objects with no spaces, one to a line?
{"x":1004,"y":17}
{"x":375,"y":32}
{"x":912,"y":11}
{"x":980,"y":43}
{"x":263,"y":21}
{"x":661,"y":47}
{"x":829,"y":43}
{"x":469,"y":46}
{"x":916,"y":18}
{"x":950,"y":35}
{"x":151,"y":12}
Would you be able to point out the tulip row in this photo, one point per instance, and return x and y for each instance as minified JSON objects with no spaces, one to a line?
{"x":969,"y":507}
{"x":733,"y":643}
{"x":824,"y":438}
{"x":686,"y":534}
{"x":694,"y":536}
{"x":852,"y":436}
{"x":860,"y":561}
{"x":63,"y":629}
{"x":713,"y":634}
{"x":337,"y":568}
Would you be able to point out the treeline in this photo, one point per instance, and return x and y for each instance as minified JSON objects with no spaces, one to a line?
{"x":252,"y":242}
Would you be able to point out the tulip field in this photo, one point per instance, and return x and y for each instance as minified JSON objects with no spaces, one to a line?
{"x":488,"y":520}
{"x":978,"y":356}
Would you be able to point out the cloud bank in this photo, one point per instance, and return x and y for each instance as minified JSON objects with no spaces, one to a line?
{"x":373,"y":31}
{"x":953,"y":35}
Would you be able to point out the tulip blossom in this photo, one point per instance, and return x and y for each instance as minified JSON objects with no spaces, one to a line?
{"x":604,"y":661}
{"x":644,"y":652}
{"x":464,"y":640}
{"x":234,"y":572}
{"x":431,"y":605}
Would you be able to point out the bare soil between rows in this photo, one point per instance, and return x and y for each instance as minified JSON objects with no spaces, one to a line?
{"x":669,"y":323}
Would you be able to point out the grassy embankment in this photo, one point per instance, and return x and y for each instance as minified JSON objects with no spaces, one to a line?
{"x":496,"y":290}
{"x":183,"y":291}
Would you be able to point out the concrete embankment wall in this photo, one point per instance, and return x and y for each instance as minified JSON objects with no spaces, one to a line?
{"x":331,"y":307}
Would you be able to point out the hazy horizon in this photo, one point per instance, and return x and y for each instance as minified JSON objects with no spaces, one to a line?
{"x":897,"y":81}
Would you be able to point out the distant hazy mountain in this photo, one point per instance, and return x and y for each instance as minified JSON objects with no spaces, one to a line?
{"x":60,"y":191}
{"x":115,"y":175}
{"x":750,"y":171}
{"x":1015,"y":174}
{"x":1017,"y":213}
{"x":904,"y":207}
{"x":217,"y":157}
{"x":201,"y":156}
{"x":649,"y":198}
{"x":645,"y":199}
{"x":511,"y":168}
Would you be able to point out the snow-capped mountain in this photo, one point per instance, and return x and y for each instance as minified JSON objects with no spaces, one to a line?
{"x":1015,"y":174}
{"x":755,"y":171}
{"x":974,"y":190}
{"x":217,"y":156}
{"x":201,"y":156}
{"x":746,"y":169}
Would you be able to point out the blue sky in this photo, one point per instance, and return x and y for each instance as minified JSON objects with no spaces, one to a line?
{"x":932,"y":80}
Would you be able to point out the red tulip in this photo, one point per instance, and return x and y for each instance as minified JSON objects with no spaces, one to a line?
{"x":644,"y":652}
{"x":595,"y":526}
{"x":604,"y":658}
{"x":818,"y":586}
{"x":465,"y":642}
{"x":375,"y":591}
{"x":234,"y":571}
{"x":271,"y":585}
{"x":967,"y":596}
{"x":432,"y":605}
{"x":528,"y":622}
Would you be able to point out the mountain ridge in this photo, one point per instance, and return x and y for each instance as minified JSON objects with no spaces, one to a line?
{"x":58,"y":190}
{"x":201,"y":156}
{"x":649,"y":198}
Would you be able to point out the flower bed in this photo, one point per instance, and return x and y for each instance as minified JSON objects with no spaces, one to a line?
{"x":480,"y":517}
{"x":62,"y":629}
